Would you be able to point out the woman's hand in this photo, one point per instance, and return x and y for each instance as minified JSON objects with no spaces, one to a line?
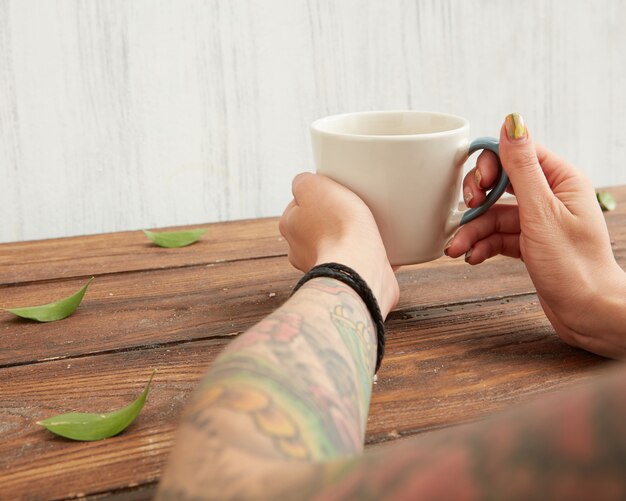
{"x":326,"y":222}
{"x":558,"y":230}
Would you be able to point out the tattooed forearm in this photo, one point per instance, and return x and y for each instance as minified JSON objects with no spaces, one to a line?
{"x":295,"y":387}
{"x":282,"y":414}
{"x":568,"y":446}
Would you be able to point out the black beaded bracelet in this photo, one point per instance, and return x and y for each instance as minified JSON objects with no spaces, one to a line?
{"x":351,"y":278}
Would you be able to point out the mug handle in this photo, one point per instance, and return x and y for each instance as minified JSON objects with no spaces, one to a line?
{"x":491,"y":144}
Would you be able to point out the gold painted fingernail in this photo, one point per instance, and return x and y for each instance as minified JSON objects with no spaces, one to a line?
{"x":468,"y":254}
{"x":515,"y":127}
{"x":477,"y":177}
{"x":467,"y":196}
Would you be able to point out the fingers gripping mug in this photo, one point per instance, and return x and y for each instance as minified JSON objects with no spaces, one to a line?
{"x":407,"y":166}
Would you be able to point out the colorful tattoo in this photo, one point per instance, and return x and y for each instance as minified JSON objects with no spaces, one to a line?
{"x":296,"y":380}
{"x":282,"y":414}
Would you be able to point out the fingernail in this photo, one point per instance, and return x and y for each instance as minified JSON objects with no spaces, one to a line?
{"x":468,"y":254}
{"x":478,"y":177}
{"x":448,"y":245}
{"x":467,"y":196}
{"x":515,"y":127}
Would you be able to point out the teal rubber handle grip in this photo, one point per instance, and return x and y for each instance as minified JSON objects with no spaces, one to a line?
{"x":491,"y":144}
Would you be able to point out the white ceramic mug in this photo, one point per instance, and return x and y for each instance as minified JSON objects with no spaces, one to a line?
{"x":407,"y":167}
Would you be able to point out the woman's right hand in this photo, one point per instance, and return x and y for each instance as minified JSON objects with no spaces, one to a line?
{"x":326,"y":222}
{"x":558,"y":230}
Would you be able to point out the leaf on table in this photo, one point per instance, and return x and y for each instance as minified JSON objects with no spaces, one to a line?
{"x":172,"y":239}
{"x":89,"y":427}
{"x":606,"y":201}
{"x":52,"y":311}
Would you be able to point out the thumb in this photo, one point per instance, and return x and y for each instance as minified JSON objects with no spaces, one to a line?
{"x":520,"y":162}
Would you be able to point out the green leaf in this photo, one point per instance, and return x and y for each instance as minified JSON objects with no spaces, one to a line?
{"x":52,"y":311}
{"x":606,"y":200}
{"x":171,"y":239}
{"x":88,"y":427}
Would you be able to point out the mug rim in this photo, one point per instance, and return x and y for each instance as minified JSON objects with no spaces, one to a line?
{"x":317,"y":125}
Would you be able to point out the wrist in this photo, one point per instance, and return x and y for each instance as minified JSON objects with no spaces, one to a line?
{"x":378,"y":275}
{"x":611,"y":315}
{"x":601,"y":327}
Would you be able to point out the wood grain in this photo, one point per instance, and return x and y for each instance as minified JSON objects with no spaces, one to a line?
{"x":94,"y":255}
{"x":140,"y":309}
{"x":124,"y":115}
{"x":53,"y":259}
{"x":162,"y":306}
{"x":452,"y":364}
{"x":452,"y":377}
{"x":464,"y":342}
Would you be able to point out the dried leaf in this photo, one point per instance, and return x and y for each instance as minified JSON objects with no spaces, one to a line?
{"x":52,"y":311}
{"x":172,"y":239}
{"x":606,"y":201}
{"x":88,"y":427}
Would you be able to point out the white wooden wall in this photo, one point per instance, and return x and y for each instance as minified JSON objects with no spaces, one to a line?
{"x":130,"y":114}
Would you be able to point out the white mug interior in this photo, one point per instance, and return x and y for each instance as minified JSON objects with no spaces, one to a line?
{"x":390,"y":123}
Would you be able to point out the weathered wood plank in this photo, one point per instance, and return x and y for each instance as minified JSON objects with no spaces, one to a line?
{"x":139,"y":309}
{"x":444,"y":366}
{"x":93,"y":383}
{"x":464,"y":342}
{"x":143,"y":492}
{"x":131,"y":251}
{"x":142,"y":309}
{"x":452,"y":364}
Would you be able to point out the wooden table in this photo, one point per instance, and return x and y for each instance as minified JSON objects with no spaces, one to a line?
{"x":464,"y":342}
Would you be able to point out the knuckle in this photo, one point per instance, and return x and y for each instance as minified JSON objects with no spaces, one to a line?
{"x":282,"y":226}
{"x":585,"y":183}
{"x":542,"y":214}
{"x":550,"y":210}
{"x":490,"y":248}
{"x":495,"y":245}
{"x":527,"y":160}
{"x":301,"y":181}
{"x":293,"y":260}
